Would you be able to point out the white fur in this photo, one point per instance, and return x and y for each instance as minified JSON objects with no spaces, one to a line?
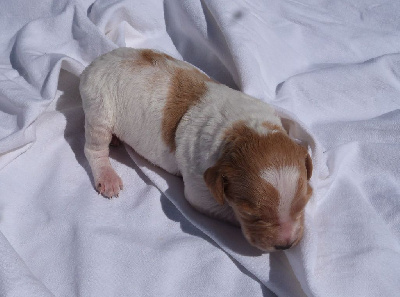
{"x":285,"y":181}
{"x":120,"y":100}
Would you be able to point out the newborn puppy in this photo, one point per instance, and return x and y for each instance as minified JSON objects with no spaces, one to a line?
{"x":237,"y":162}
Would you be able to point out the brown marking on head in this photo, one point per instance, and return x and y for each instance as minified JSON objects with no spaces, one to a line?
{"x":236,"y":179}
{"x":187,"y":86}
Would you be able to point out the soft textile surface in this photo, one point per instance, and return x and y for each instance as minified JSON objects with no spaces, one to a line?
{"x":332,"y":70}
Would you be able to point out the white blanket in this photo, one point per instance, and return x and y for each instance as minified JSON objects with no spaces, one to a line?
{"x":332,"y":70}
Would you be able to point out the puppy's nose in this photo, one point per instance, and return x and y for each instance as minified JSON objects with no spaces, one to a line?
{"x":283,"y":247}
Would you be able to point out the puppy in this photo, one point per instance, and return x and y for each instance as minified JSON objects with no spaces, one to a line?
{"x":237,"y":162}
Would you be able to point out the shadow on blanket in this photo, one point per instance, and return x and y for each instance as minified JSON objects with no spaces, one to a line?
{"x":174,"y":214}
{"x":70,"y":105}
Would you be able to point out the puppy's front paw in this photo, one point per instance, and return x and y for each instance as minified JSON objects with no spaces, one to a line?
{"x":108,"y":183}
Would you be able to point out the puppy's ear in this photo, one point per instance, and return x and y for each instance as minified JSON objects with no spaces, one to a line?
{"x":309,"y":166}
{"x":215,"y":183}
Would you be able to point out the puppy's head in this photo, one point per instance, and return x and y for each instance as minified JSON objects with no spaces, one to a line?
{"x":264,"y":178}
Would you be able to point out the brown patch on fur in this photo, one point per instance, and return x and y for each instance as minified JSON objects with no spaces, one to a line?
{"x":153,"y":58}
{"x":245,"y":155}
{"x":215,"y":182}
{"x":187,"y":86}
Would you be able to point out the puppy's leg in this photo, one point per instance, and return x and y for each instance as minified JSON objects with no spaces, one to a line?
{"x":98,"y":138}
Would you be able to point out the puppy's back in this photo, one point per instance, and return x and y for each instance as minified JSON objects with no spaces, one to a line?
{"x":127,"y":90}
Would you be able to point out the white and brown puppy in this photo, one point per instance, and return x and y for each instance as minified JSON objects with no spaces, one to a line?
{"x":237,"y":162}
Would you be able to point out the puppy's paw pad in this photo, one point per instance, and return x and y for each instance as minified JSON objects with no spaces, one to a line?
{"x":108,"y":183}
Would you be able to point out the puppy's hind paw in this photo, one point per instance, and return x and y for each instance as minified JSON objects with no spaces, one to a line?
{"x":109,"y":184}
